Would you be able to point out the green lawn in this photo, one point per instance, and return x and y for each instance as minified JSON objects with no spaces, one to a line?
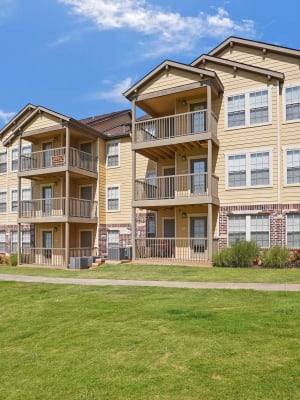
{"x":106,"y":343}
{"x":167,"y":272}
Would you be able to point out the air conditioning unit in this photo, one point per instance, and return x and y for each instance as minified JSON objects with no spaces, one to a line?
{"x":120,"y":253}
{"x":80,"y":262}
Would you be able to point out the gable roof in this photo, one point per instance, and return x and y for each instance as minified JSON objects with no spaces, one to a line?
{"x":238,"y":65}
{"x":168,"y":64}
{"x":18,"y":117}
{"x":232,"y":40}
{"x":103,"y":117}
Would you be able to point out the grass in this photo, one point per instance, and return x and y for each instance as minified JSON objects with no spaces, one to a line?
{"x":167,"y":272}
{"x":84,"y":343}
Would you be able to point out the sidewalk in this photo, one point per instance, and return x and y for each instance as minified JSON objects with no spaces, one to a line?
{"x":289,"y":287}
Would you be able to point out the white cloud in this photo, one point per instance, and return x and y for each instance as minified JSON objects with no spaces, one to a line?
{"x":61,"y":40}
{"x":114,"y":93}
{"x":7,"y":8}
{"x":169,"y":31}
{"x":6,"y":116}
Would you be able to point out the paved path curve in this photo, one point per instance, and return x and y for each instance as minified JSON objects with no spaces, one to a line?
{"x":290,"y":287}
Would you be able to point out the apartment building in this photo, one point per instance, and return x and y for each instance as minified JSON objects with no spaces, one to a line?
{"x":224,"y":132}
{"x":65,"y":185}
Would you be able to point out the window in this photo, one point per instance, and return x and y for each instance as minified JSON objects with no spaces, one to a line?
{"x":151,"y":227}
{"x":2,"y":202}
{"x":237,"y":170}
{"x":14,"y":200}
{"x":248,"y":169}
{"x":249,"y":227}
{"x":113,"y":238}
{"x":26,"y":194}
{"x":26,"y":239}
{"x":13,"y":241}
{"x":112,"y":155}
{"x":26,"y":160}
{"x":246,"y":109}
{"x":113,"y":195}
{"x":260,"y":169}
{"x":2,"y":241}
{"x":292,"y":103}
{"x":3,"y":162}
{"x":14,"y":159}
{"x":292,"y":166}
{"x":293,"y":230}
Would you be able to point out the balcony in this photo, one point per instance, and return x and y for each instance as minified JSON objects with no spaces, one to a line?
{"x":175,"y":190}
{"x":54,"y":210}
{"x":55,"y":160}
{"x":175,"y":129}
{"x":174,"y":250}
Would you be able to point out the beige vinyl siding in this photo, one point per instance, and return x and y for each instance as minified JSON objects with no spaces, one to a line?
{"x":41,"y":121}
{"x":102,"y":181}
{"x":169,"y":79}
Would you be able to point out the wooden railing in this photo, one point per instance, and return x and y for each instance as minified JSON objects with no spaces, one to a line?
{"x":190,"y":123}
{"x":52,"y":207}
{"x":83,"y":252}
{"x":175,"y":186}
{"x":43,"y":256}
{"x":56,"y":157}
{"x":179,"y":249}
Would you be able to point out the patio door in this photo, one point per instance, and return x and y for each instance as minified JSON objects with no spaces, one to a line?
{"x":47,"y":153}
{"x":169,"y":183}
{"x":47,"y":196}
{"x":86,"y":193}
{"x":198,"y":118}
{"x":47,"y":241}
{"x":85,"y":155}
{"x":198,"y":168}
{"x":198,"y":234}
{"x":86,"y":239}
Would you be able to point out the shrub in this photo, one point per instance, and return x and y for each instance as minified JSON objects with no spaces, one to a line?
{"x":276,"y":257}
{"x":223,"y":258}
{"x":244,"y":253}
{"x":240,"y":254}
{"x":12,"y":260}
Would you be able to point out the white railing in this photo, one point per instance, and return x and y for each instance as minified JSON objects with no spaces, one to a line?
{"x":190,"y":123}
{"x":176,"y":249}
{"x":83,"y":252}
{"x":43,"y":256}
{"x":175,"y":186}
{"x":43,"y":208}
{"x":56,"y":157}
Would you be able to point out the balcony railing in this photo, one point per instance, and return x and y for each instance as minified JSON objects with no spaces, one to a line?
{"x":190,"y":123}
{"x":52,"y":256}
{"x":43,"y":208}
{"x":179,"y":249}
{"x":175,"y":186}
{"x":56,"y":157}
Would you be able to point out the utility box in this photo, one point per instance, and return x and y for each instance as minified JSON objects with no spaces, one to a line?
{"x":80,"y":262}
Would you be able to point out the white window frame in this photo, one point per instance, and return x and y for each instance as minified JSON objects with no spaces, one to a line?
{"x":248,"y":154}
{"x":247,"y":93}
{"x":11,"y":200}
{"x":14,"y":150}
{"x":13,"y":242}
{"x":27,"y":243}
{"x":2,"y":232}
{"x":119,"y":197}
{"x":288,"y":121}
{"x":285,"y":150}
{"x":248,"y":230}
{"x":112,"y":231}
{"x":108,"y":144}
{"x":4,"y":153}
{"x":289,"y":230}
{"x":4,"y":192}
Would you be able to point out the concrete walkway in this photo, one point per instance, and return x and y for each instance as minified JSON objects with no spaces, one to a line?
{"x":289,"y":287}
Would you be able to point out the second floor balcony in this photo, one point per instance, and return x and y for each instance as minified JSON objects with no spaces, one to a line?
{"x":54,"y":160}
{"x":176,"y":190}
{"x":55,"y":210}
{"x":175,"y":129}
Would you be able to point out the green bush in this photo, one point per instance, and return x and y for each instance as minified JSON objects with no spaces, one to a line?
{"x":240,"y":254}
{"x":12,"y":260}
{"x":275,"y":257}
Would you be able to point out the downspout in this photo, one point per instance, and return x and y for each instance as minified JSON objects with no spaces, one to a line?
{"x":278,"y":145}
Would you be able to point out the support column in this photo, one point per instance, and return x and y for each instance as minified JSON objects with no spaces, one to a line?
{"x":209,"y":231}
{"x":133,"y":210}
{"x":208,"y":95}
{"x":19,"y":199}
{"x":209,"y":167}
{"x":67,"y":197}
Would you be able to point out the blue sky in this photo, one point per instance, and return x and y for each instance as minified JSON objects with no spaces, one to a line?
{"x":77,"y":56}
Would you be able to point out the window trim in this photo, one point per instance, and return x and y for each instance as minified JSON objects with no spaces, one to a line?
{"x":285,"y":150}
{"x":4,"y":232}
{"x":119,"y":198}
{"x":4,"y":152}
{"x":13,"y":159}
{"x":247,"y":108}
{"x":11,"y":200}
{"x":248,"y":153}
{"x":112,"y":142}
{"x":289,"y":121}
{"x":4,"y":212}
{"x":248,"y":226}
{"x":286,"y":229}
